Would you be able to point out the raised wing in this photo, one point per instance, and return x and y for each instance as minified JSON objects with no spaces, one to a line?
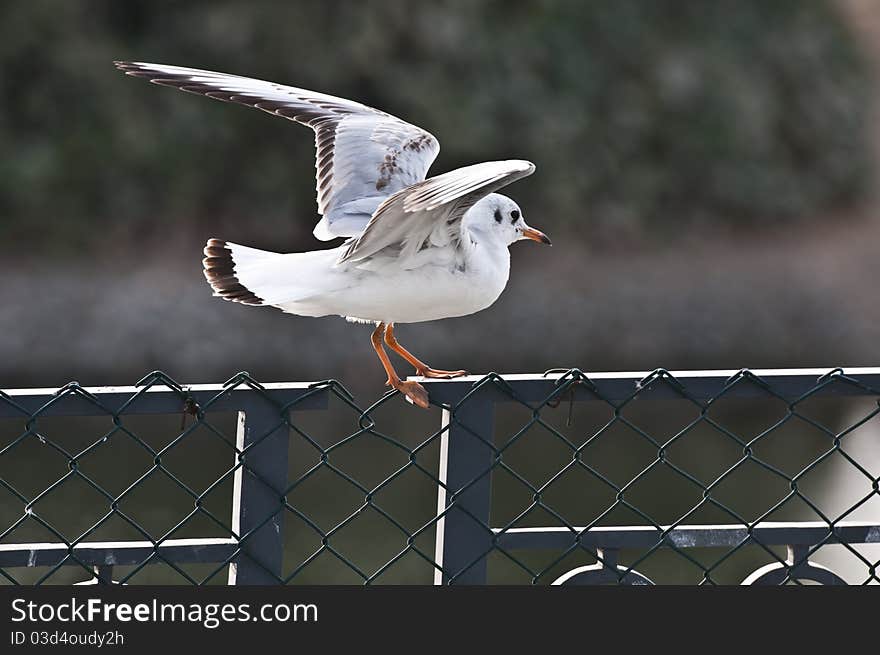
{"x":364,"y":155}
{"x":430,"y":212}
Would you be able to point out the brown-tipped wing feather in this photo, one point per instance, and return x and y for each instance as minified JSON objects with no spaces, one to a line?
{"x":363,"y":154}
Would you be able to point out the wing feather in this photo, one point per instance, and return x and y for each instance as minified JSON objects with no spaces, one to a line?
{"x":362,"y":153}
{"x":411,"y":217}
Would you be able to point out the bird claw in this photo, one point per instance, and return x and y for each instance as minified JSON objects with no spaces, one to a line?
{"x":414,"y":392}
{"x":439,"y":374}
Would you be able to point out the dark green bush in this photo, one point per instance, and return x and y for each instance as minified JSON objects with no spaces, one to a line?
{"x":638,"y":113}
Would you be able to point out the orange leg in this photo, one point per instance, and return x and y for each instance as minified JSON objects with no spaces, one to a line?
{"x":412,"y":390}
{"x":421,"y":368}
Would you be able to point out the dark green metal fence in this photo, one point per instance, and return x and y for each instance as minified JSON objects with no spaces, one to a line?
{"x":694,"y":477}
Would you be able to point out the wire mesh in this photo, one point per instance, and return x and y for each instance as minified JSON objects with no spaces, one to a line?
{"x":568,"y":480}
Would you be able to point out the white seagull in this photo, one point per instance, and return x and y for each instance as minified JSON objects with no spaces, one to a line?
{"x":417,"y":249}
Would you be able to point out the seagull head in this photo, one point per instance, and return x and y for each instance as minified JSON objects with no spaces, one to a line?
{"x":499,"y":219}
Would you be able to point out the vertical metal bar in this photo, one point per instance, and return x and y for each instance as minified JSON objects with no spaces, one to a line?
{"x":466,"y":455}
{"x":103,"y":574}
{"x":257,"y":495}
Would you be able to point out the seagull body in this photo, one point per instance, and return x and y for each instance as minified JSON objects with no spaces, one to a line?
{"x":417,"y":249}
{"x":312,"y":284}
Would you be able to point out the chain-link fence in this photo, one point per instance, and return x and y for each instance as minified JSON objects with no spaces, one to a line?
{"x":712,"y":477}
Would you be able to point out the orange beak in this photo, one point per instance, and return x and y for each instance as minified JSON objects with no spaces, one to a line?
{"x":536,"y":235}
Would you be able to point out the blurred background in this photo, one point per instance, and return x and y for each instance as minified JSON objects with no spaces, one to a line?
{"x":707,"y":172}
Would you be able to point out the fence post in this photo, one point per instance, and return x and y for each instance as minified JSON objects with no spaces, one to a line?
{"x":463,"y":533}
{"x":257,"y":492}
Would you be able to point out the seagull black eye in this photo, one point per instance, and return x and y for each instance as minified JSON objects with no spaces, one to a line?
{"x":498,"y":216}
{"x":514,"y":216}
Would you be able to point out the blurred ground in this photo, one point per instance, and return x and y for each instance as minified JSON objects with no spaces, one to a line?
{"x":780,"y":300}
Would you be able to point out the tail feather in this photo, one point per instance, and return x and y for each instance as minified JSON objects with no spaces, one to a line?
{"x":291,"y":281}
{"x":220,"y":262}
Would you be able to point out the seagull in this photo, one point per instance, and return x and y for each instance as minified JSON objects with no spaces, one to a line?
{"x":416,"y":249}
